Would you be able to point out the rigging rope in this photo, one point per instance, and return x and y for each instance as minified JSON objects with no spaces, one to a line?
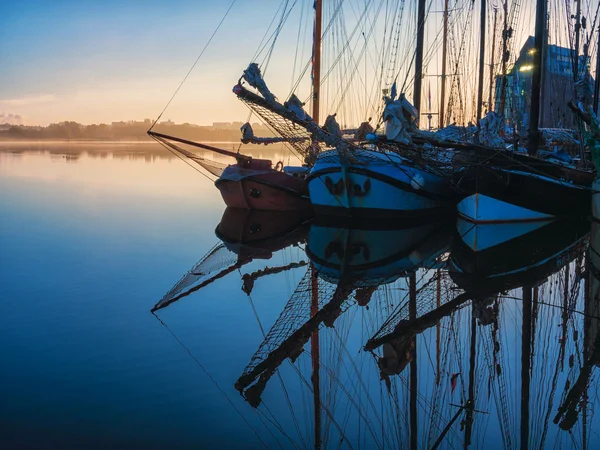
{"x":211,"y":379}
{"x":195,"y":62}
{"x":164,"y":144}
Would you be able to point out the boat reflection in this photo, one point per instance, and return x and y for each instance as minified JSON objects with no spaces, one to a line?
{"x":349,"y":265}
{"x":432,"y":335}
{"x":376,"y":256}
{"x":505,"y":256}
{"x":483,"y":271}
{"x":245,"y":236}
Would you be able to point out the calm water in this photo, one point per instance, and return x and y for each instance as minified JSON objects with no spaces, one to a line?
{"x":94,"y":237}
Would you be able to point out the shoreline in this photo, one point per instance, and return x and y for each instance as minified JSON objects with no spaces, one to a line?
{"x":93,"y":141}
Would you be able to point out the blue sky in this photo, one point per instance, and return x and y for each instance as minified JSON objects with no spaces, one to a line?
{"x":99,"y":61}
{"x":102,"y":61}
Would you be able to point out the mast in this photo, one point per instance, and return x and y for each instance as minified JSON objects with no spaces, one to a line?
{"x":525,"y":362}
{"x":492,"y":58}
{"x":419,"y":56}
{"x":597,"y":79}
{"x":314,"y":340}
{"x":317,"y":60}
{"x":504,"y":59}
{"x":481,"y":60}
{"x":577,"y":39}
{"x":536,"y":82}
{"x":470,"y":406}
{"x":315,"y":358}
{"x":441,"y":117}
{"x":437,"y":327}
{"x":412,"y":311}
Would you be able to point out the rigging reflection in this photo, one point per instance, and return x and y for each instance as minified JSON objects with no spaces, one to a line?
{"x":462,"y":329}
{"x":245,"y":236}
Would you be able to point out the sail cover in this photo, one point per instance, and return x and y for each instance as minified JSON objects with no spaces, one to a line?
{"x":248,"y":137}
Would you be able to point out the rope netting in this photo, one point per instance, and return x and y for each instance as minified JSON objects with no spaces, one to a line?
{"x":334,"y":157}
{"x":218,"y":262}
{"x":213,"y":167}
{"x":295,"y":325}
{"x":290,"y":124}
{"x":435,"y":160}
{"x":427,"y":302}
{"x":297,"y":138}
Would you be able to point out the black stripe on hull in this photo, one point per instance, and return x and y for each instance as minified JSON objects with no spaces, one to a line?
{"x":526,"y":191}
{"x":362,"y":216}
{"x":388,"y":180}
{"x":446,"y":218}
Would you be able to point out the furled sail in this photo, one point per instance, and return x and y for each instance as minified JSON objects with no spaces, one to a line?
{"x":248,"y":137}
{"x":400,"y":118}
{"x":289,"y":120}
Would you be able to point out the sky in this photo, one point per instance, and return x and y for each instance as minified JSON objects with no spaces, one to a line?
{"x":102,"y":61}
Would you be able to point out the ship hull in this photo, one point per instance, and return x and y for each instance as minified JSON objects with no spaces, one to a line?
{"x":376,"y":185}
{"x":596,"y":200}
{"x":263,"y":190}
{"x":502,"y":195}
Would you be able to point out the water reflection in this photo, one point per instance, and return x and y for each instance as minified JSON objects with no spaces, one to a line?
{"x":245,"y":236}
{"x":420,"y":335}
{"x":147,"y":151}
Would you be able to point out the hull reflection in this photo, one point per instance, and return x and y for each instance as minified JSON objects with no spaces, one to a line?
{"x":246,"y":236}
{"x":504,"y":256}
{"x":376,"y":256}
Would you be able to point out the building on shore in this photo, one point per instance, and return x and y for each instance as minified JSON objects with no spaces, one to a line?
{"x":557,"y":87}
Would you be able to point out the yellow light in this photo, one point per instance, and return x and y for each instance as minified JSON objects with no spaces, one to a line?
{"x":532,"y":51}
{"x":525,"y":68}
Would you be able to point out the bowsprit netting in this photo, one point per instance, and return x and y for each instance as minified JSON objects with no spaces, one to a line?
{"x":293,"y":329}
{"x":218,"y":262}
{"x":213,"y":167}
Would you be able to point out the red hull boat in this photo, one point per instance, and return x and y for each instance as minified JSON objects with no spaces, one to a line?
{"x":255,"y":185}
{"x":251,"y":183}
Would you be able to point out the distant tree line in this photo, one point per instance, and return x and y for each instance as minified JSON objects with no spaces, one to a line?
{"x":124,"y":131}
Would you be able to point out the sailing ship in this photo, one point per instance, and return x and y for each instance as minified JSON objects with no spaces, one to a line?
{"x":254,"y":183}
{"x":250,"y":183}
{"x":377,"y":184}
{"x":505,"y":186}
{"x":389,"y":176}
{"x":411,"y":172}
